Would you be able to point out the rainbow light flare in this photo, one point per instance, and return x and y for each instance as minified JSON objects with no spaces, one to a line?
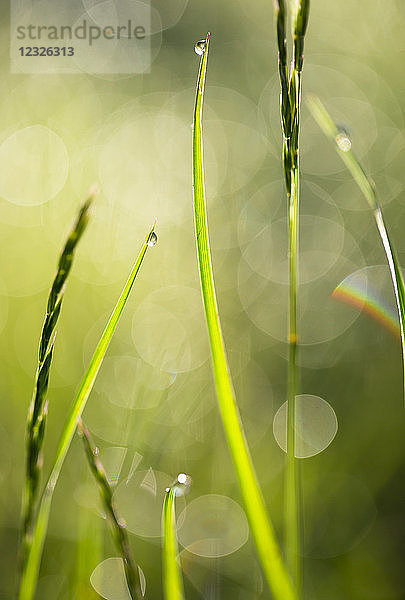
{"x":359,"y":292}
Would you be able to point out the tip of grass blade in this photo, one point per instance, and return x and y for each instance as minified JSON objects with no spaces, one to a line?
{"x":151,"y":238}
{"x":93,"y":191}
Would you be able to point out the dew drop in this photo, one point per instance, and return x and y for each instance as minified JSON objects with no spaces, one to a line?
{"x":182,"y":478}
{"x":200,"y":46}
{"x":183,"y":484}
{"x":152,"y":240}
{"x":343,"y":141}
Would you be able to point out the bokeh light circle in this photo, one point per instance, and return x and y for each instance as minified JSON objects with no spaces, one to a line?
{"x":320,"y":317}
{"x":108,"y":579}
{"x":213,"y":526}
{"x":168,"y":329}
{"x":34,"y":165}
{"x":131,"y":383}
{"x":315,"y":425}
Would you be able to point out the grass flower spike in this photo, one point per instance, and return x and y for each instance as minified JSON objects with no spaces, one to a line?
{"x":38,"y":408}
{"x":290,"y":83}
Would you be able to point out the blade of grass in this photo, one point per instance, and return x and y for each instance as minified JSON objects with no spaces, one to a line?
{"x":343,"y":146}
{"x":31,"y":568}
{"x":118,"y":527}
{"x":172,"y":576}
{"x":290,"y":120}
{"x":261,"y":527}
{"x":38,"y":409}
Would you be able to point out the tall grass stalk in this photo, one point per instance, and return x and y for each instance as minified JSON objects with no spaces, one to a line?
{"x":38,"y":409}
{"x":262,"y":530}
{"x":291,"y":83}
{"x":172,"y":576}
{"x":118,"y":527}
{"x":34,"y":551}
{"x":343,"y":146}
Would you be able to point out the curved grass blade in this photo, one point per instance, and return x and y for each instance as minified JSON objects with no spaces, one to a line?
{"x":118,"y":527}
{"x":343,"y":146}
{"x":38,"y":409}
{"x":30,"y":573}
{"x":172,"y":576}
{"x":261,"y":527}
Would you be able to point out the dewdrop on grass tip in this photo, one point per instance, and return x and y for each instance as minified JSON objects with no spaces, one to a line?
{"x":152,"y":240}
{"x":200,"y":46}
{"x":182,"y":478}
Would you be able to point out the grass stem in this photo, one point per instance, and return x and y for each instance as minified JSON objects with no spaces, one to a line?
{"x":290,"y":120}
{"x":292,"y":495}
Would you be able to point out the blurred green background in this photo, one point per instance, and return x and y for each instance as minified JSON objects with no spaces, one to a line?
{"x":153,"y":411}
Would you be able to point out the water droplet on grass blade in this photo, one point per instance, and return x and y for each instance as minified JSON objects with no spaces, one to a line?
{"x":200,"y":46}
{"x":152,"y":240}
{"x":182,"y":478}
{"x":182,"y":485}
{"x":343,"y":141}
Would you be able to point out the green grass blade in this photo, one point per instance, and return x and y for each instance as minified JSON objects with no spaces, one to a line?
{"x":260,"y":525}
{"x":118,"y":527}
{"x":30,"y":573}
{"x":172,"y":577}
{"x":343,"y":146}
